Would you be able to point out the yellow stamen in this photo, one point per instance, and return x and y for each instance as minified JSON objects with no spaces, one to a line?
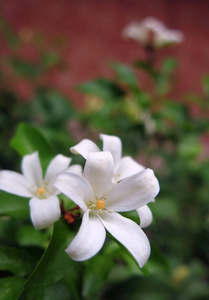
{"x":100,"y":204}
{"x":41,"y":191}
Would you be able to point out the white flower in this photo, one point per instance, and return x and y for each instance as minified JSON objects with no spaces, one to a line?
{"x":123,"y":166}
{"x":152,"y":32}
{"x":44,"y":203}
{"x":100,"y":200}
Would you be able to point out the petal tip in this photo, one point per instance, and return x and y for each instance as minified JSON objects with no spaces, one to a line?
{"x":152,"y":181}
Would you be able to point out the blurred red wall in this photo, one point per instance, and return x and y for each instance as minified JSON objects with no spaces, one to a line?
{"x":92,"y":31}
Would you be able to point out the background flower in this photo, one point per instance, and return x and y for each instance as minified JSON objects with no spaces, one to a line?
{"x":152,"y":32}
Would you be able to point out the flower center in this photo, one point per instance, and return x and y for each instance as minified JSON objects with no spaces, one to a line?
{"x":97,"y":205}
{"x":100,"y":204}
{"x":41,"y":191}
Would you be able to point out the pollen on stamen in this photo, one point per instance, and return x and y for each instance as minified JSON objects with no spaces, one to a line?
{"x":41,"y":191}
{"x":100,"y":204}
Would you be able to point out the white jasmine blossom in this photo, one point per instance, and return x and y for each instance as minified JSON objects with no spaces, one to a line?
{"x":152,"y":32}
{"x":44,"y":203}
{"x":123,"y":166}
{"x":100,"y":201}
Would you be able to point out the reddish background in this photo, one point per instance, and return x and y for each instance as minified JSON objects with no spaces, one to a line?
{"x":93,"y":35}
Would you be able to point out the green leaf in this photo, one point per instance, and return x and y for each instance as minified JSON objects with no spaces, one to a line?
{"x":104,"y":88}
{"x":169,"y":65}
{"x":174,"y":112}
{"x":27,"y":236}
{"x":15,"y":260}
{"x":95,"y":276}
{"x":125,"y":74}
{"x":205,"y":83}
{"x":9,"y":35}
{"x":147,"y":67}
{"x":166,"y":209}
{"x":164,"y":78}
{"x":189,"y":147}
{"x":11,"y":288}
{"x":53,"y":108}
{"x":25,"y":68}
{"x":157,"y":261}
{"x":33,"y":294}
{"x":74,"y":281}
{"x":50,"y":59}
{"x":55,"y":262}
{"x":13,"y":206}
{"x":29,"y":139}
{"x":58,"y":290}
{"x":127,"y":256}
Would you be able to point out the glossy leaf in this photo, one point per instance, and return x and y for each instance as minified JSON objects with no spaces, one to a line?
{"x":169,"y":65}
{"x":125,"y":74}
{"x":124,"y":254}
{"x":50,"y":59}
{"x":157,"y":261}
{"x":53,"y":108}
{"x":205,"y":83}
{"x":11,"y":288}
{"x":104,"y":88}
{"x":27,"y":236}
{"x":25,"y":68}
{"x":13,"y":206}
{"x":147,"y":67}
{"x":29,"y":139}
{"x":15,"y":260}
{"x":55,"y":262}
{"x":95,"y":276}
{"x":190,"y":147}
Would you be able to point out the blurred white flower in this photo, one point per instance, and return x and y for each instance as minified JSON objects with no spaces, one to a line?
{"x":44,"y":203}
{"x":152,"y":32}
{"x":123,"y":166}
{"x":100,"y":201}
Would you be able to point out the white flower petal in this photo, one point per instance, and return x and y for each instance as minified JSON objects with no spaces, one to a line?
{"x":112,"y":144}
{"x":154,"y":24}
{"x":14,"y":183}
{"x":129,"y":234}
{"x":58,"y":163}
{"x":44,"y":212}
{"x":31,"y":169}
{"x":84,"y":148}
{"x":99,"y":170}
{"x":127,"y":167}
{"x":76,"y":169}
{"x":89,"y":239}
{"x":145,"y":216}
{"x":133,"y":192}
{"x":75,"y":187}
